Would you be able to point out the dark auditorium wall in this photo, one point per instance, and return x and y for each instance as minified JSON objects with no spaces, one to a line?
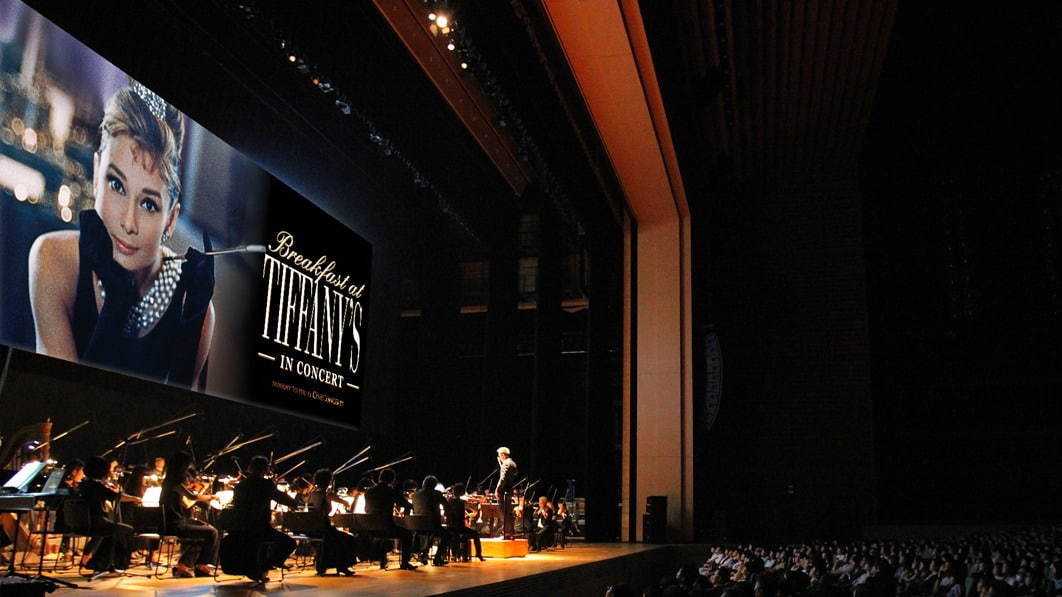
{"x":783,"y":279}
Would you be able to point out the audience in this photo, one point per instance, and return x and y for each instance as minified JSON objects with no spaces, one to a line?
{"x":1016,"y":564}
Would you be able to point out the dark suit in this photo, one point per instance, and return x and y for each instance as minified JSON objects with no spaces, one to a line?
{"x":381,"y":500}
{"x":455,"y":523}
{"x":507,"y":472}
{"x":253,"y":527}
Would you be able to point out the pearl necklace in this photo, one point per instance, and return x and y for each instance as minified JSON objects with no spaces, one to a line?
{"x":155,"y":301}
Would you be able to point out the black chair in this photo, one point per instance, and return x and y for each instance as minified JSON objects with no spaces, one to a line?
{"x":77,"y":520}
{"x":232,"y":561}
{"x":427,"y":528}
{"x":306,"y":528}
{"x":378,"y":526}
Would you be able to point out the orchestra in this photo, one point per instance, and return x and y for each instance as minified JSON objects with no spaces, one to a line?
{"x":239,"y":524}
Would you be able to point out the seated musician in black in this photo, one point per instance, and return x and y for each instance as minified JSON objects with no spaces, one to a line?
{"x":102,"y":496}
{"x":337,"y":547}
{"x":565,"y":525}
{"x":429,"y":501}
{"x":541,"y":536}
{"x":253,"y":513}
{"x":455,"y":521}
{"x":199,"y":540}
{"x":381,"y":500}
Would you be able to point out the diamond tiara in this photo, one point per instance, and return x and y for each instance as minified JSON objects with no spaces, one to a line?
{"x":155,"y":104}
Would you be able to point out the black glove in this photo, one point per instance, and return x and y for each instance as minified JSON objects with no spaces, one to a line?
{"x":195,"y":288}
{"x":97,"y":253}
{"x":197,"y":281}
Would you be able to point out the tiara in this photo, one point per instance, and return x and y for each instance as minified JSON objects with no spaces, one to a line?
{"x":154,"y":103}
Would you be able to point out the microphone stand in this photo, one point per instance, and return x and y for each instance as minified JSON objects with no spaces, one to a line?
{"x":479,"y":486}
{"x":350,"y":466}
{"x":232,"y":448}
{"x":140,"y":433}
{"x":285,"y":474}
{"x":346,"y":465}
{"x":307,"y":448}
{"x":63,"y":434}
{"x":152,"y":438}
{"x":405,"y":458}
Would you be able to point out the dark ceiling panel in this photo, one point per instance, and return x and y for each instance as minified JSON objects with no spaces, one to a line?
{"x":799,"y":80}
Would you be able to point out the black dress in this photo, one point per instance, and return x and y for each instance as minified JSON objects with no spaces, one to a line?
{"x":111,"y":540}
{"x":199,"y":540}
{"x":168,"y":352}
{"x":338,"y":549}
{"x":253,"y":528}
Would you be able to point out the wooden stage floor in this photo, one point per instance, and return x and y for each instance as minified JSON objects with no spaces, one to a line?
{"x":576,"y":570}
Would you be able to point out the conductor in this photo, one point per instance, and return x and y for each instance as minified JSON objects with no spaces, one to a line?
{"x":507,"y":473}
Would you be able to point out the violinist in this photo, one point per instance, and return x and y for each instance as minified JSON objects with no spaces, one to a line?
{"x":157,"y":472}
{"x":73,"y":474}
{"x":455,"y":521}
{"x":337,"y":547}
{"x":541,"y":536}
{"x":101,"y":496}
{"x":381,"y":500}
{"x":253,"y":513}
{"x":303,"y":487}
{"x":199,"y":540}
{"x":565,"y":523}
{"x":429,"y":501}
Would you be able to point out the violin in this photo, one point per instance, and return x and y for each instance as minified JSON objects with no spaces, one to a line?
{"x":197,"y":486}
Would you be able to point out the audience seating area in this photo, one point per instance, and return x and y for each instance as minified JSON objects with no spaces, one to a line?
{"x":1013,"y":564}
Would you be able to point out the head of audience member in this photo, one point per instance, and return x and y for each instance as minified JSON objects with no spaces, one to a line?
{"x":429,"y":483}
{"x":686,"y":574}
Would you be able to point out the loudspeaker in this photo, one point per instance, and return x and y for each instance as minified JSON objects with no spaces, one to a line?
{"x":654,"y":522}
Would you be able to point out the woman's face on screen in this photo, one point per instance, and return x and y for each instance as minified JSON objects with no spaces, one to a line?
{"x":132,"y":201}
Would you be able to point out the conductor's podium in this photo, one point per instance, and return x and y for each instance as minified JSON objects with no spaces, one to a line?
{"x":504,"y":548}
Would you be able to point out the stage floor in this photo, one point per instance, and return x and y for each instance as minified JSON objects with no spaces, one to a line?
{"x":370,"y":580}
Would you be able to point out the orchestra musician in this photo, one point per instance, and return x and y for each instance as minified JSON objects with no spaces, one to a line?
{"x":303,"y":487}
{"x":101,"y":495}
{"x":73,"y":474}
{"x":507,"y":473}
{"x":252,"y":516}
{"x":337,"y":548}
{"x":429,"y":501}
{"x":564,"y":522}
{"x":382,"y":499}
{"x":455,"y":521}
{"x":199,"y":540}
{"x":541,"y":536}
{"x":157,"y":473}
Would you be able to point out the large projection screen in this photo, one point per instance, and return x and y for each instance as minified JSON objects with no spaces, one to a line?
{"x":110,"y":200}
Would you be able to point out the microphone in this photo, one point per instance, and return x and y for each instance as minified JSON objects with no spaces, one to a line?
{"x":240,"y":249}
